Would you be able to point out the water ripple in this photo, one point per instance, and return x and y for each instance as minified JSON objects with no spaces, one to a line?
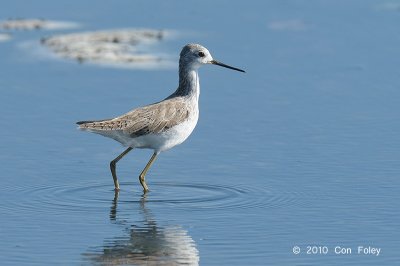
{"x":196,"y":196}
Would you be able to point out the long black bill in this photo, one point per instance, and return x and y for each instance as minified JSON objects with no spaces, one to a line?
{"x":215,"y":62}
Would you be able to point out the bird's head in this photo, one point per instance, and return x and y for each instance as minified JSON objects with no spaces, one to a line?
{"x":194,"y":55}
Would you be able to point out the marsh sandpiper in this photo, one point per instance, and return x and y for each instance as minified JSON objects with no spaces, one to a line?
{"x":162,"y":125}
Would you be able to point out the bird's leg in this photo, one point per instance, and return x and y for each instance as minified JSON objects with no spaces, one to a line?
{"x":113,"y":164}
{"x":144,"y":172}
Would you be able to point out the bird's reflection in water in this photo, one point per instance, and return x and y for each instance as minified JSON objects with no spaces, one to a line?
{"x":145,"y":243}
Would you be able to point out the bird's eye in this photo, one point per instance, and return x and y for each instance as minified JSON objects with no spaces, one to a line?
{"x":201,"y":54}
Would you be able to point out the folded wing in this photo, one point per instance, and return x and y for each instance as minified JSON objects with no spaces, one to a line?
{"x":154,"y":118}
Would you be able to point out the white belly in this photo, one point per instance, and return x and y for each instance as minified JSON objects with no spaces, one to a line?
{"x":167,"y":139}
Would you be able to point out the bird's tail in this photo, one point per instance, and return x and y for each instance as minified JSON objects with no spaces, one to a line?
{"x":92,"y":125}
{"x":103,"y":125}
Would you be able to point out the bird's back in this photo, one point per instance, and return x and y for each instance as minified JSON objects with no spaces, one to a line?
{"x":151,"y":119}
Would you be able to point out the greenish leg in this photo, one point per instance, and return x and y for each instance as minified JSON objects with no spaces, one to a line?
{"x":144,"y":172}
{"x":113,"y":163}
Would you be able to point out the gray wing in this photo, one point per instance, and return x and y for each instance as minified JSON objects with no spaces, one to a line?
{"x":153,"y":118}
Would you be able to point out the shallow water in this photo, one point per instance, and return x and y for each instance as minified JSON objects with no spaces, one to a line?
{"x":302,"y":150}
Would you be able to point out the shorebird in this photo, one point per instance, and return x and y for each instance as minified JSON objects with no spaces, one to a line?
{"x":162,"y":125}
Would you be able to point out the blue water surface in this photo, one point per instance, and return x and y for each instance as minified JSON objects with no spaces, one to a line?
{"x":301,"y":151}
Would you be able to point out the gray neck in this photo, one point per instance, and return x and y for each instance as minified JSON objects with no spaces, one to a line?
{"x":188,"y":82}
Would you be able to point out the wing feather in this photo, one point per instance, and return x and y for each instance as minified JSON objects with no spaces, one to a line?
{"x":153,"y":118}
